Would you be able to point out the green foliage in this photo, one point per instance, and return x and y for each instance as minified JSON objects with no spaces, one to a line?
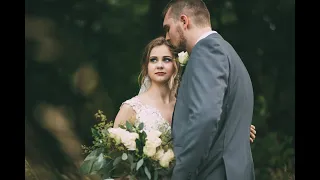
{"x":273,"y":153}
{"x":273,"y":157}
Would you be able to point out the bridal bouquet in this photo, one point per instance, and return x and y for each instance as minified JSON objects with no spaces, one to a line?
{"x":128,"y":151}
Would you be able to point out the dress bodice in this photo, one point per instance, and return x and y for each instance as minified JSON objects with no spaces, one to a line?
{"x":150,"y":116}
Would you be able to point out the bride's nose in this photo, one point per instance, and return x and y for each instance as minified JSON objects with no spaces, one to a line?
{"x":160,"y":65}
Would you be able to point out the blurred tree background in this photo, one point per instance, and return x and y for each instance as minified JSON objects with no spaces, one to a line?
{"x":84,"y":55}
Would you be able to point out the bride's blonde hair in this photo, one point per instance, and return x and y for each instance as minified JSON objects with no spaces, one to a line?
{"x":174,"y":80}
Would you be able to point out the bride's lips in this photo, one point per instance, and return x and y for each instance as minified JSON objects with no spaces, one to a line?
{"x":160,"y":73}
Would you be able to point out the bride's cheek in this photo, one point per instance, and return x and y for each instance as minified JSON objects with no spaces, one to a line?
{"x":170,"y":68}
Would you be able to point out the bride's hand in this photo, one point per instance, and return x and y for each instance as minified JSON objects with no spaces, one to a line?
{"x":252,"y":133}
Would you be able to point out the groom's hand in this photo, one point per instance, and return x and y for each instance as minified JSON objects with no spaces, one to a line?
{"x":206,"y":84}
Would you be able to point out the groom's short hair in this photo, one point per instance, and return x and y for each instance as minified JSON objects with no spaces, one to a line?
{"x":196,"y":9}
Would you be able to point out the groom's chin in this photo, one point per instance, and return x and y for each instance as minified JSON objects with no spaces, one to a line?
{"x":180,"y":48}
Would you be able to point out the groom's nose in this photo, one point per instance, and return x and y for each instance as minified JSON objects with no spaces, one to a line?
{"x":167,"y":37}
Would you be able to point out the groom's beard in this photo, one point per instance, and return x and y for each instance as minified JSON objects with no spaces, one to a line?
{"x":182,"y":44}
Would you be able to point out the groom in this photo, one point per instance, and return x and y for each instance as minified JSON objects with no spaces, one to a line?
{"x":214,"y":106}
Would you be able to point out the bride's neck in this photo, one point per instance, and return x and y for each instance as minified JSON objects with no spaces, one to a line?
{"x":161,"y":93}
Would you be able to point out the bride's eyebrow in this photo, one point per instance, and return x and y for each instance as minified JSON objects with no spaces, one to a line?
{"x":157,"y":57}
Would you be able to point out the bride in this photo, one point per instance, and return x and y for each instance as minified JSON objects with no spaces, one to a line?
{"x":154,"y":105}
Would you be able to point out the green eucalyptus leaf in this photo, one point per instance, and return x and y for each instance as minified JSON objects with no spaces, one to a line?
{"x":94,"y":154}
{"x":99,"y":163}
{"x":139,"y":164}
{"x":146,"y":170}
{"x":117,"y":161}
{"x":124,"y":156}
{"x":105,"y":172}
{"x":129,"y":126}
{"x":86,"y":167}
{"x":141,"y":125}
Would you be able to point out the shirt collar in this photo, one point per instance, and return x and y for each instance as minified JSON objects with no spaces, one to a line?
{"x":205,"y":35}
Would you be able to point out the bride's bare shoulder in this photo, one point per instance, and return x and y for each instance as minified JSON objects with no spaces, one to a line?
{"x":126,"y":112}
{"x":131,"y":102}
{"x":130,"y":106}
{"x":125,"y":107}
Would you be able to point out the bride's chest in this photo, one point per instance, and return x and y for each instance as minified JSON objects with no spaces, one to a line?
{"x":156,"y":114}
{"x":165,"y":111}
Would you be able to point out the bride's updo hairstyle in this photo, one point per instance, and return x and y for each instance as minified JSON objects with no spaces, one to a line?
{"x":173,"y":82}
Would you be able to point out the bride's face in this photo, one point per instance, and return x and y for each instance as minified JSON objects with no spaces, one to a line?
{"x":160,"y":66}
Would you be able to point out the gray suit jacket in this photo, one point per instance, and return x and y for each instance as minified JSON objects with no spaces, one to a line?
{"x":213,"y":114}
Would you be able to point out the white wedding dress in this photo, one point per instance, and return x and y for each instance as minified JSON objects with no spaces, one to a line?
{"x":148,"y":115}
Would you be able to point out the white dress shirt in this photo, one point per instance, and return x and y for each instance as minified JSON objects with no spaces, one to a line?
{"x":205,"y":35}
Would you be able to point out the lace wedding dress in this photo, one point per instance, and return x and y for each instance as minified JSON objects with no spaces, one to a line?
{"x":148,"y":115}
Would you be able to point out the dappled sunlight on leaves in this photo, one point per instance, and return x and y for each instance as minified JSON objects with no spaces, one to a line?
{"x":86,"y":79}
{"x":228,"y":17}
{"x":273,"y":155}
{"x":41,"y":30}
{"x":55,"y":120}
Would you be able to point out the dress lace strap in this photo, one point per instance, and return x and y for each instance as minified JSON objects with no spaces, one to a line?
{"x":135,"y":104}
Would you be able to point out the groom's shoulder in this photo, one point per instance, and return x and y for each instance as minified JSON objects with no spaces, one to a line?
{"x":213,"y":39}
{"x":215,"y":43}
{"x":211,"y":43}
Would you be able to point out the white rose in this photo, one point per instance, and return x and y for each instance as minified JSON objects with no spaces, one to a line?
{"x":153,"y":137}
{"x":159,"y":154}
{"x":129,"y":140}
{"x":115,"y":133}
{"x":166,"y":158}
{"x":152,"y":142}
{"x":149,"y":149}
{"x":183,"y":58}
{"x":153,"y":133}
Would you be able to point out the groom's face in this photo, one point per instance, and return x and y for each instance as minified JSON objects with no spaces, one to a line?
{"x":182,"y":42}
{"x":174,"y":32}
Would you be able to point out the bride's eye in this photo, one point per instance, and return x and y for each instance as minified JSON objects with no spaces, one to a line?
{"x":153,"y":60}
{"x":167,"y":59}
